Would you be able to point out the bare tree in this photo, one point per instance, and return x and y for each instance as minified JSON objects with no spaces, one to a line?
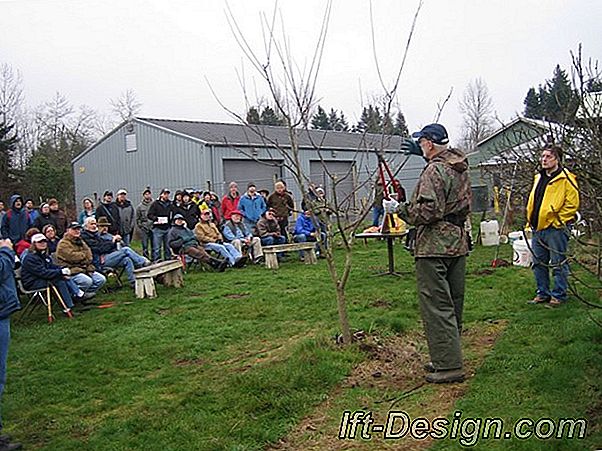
{"x":126,"y":106}
{"x":11,"y":93}
{"x":477,"y":107}
{"x":292,"y":88}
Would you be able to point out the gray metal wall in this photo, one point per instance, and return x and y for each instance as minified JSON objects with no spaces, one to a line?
{"x":162,"y":159}
{"x":167,"y":159}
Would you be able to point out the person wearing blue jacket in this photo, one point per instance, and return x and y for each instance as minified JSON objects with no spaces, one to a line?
{"x":241,"y":237}
{"x":305,"y":230}
{"x":252,"y":206}
{"x":9,"y":303}
{"x":16,"y":221}
{"x":38,"y":270}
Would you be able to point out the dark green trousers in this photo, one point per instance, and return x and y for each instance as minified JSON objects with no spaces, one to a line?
{"x":440,"y":282}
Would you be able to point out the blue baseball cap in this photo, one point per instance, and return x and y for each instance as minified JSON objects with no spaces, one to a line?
{"x":433,"y":132}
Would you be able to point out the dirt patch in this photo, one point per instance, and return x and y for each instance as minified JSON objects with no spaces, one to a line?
{"x":236,"y":296}
{"x":381,"y":303}
{"x":483,"y":272}
{"x":190,"y":362}
{"x":394,"y":367}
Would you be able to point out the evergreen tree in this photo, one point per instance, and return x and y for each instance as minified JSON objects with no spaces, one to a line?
{"x":253,"y":116}
{"x":337,"y":123}
{"x":532,"y":104}
{"x":555,"y":101}
{"x":320,"y":120}
{"x":559,"y":103}
{"x":387,"y":126}
{"x":269,"y":117}
{"x":343,"y":125}
{"x":594,"y":85}
{"x":370,"y":120}
{"x":401,"y":127}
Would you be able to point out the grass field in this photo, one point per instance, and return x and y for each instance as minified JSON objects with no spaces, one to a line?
{"x":246,"y":360}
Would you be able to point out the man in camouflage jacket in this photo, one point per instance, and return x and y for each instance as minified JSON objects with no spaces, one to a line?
{"x":438,"y":209}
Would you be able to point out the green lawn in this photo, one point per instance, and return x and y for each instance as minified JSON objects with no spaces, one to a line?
{"x":235,"y":361}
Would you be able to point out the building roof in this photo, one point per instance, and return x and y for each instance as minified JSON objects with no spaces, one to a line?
{"x":544,"y":126}
{"x":223,"y":134}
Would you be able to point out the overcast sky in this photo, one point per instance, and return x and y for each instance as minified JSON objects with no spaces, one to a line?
{"x":92,"y":51}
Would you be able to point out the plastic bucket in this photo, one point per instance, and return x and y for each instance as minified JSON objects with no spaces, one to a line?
{"x":515,"y":236}
{"x":522,"y":254}
{"x":490,"y":233}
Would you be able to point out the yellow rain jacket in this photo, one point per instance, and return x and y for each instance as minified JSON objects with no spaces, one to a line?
{"x":560,"y":201}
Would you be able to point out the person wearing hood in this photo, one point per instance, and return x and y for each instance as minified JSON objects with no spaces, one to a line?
{"x":44,"y":218}
{"x":87,"y":210}
{"x":145,"y":225}
{"x":439,"y":207}
{"x":109,"y":210}
{"x":16,"y":221}
{"x":182,"y":241}
{"x":9,"y":303}
{"x":127,"y":216}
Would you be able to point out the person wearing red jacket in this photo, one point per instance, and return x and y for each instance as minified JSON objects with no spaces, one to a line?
{"x":230,"y":201}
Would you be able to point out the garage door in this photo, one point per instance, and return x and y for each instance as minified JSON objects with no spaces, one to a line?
{"x":341,"y":169}
{"x":245,"y":171}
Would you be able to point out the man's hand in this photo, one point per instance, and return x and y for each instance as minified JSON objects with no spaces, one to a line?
{"x":66,"y":271}
{"x":390,"y":206}
{"x":116,"y":238}
{"x":410,"y":147}
{"x":6,"y":243}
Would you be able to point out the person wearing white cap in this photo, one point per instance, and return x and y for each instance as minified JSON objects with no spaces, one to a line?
{"x":38,"y":270}
{"x":127,"y":216}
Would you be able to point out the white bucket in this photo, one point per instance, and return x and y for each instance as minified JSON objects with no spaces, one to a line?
{"x":522,"y":254}
{"x":515,"y":236}
{"x":490,"y":233}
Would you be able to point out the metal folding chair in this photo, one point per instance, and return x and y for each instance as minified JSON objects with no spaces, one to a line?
{"x":41,"y":297}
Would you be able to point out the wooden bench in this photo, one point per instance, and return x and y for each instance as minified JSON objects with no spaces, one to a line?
{"x":145,"y":277}
{"x":271,"y":258}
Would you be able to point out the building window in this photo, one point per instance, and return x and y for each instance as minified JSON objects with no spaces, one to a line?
{"x":130,"y":142}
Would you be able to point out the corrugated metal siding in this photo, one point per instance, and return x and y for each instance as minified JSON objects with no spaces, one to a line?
{"x":162,"y":160}
{"x":165,"y":159}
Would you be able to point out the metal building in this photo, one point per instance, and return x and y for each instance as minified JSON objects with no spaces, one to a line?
{"x":179,"y":154}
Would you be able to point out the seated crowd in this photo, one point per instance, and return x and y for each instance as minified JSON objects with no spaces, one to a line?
{"x":76,"y":257}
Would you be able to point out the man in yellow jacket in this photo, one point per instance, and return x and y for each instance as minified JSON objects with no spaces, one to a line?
{"x":551,"y":208}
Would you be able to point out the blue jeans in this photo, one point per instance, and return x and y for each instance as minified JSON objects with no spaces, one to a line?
{"x":4,"y":342}
{"x":160,"y":236}
{"x":126,"y":258}
{"x":271,"y":240}
{"x":89,"y":283}
{"x":226,"y":250}
{"x":549,"y":251}
{"x":63,"y":288}
{"x":146,"y":237}
{"x":302,"y":238}
{"x":377,"y":213}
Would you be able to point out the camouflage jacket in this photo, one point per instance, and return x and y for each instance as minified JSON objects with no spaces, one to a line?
{"x":439,"y":206}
